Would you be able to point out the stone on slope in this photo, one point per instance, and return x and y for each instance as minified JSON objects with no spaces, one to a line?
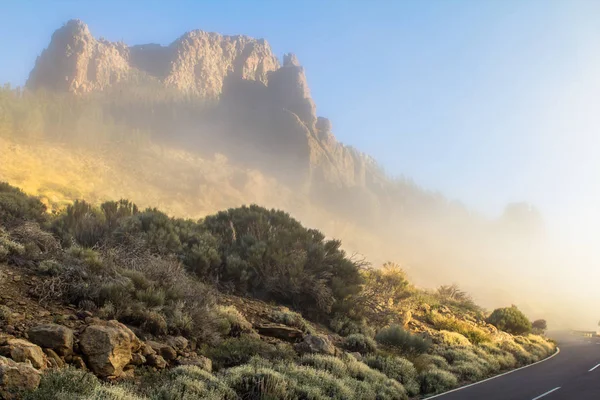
{"x":52,"y":336}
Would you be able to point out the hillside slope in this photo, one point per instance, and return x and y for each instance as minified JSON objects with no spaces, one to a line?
{"x":246,"y":303}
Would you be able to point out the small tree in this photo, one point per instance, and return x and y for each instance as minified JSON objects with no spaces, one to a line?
{"x":539,"y":325}
{"x":511,"y":320}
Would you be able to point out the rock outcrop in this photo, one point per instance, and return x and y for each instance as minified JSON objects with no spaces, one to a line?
{"x":22,"y":351}
{"x":108,"y":347}
{"x":197,"y":62}
{"x":314,"y":344}
{"x":52,"y":336}
{"x":268,"y":110}
{"x":16,"y":377}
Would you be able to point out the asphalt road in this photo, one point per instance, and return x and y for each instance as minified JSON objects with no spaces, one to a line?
{"x":574,"y":373}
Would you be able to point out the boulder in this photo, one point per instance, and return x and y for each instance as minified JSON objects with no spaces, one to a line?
{"x":179,"y":343}
{"x":282,"y":332}
{"x":138,"y":359}
{"x":164,"y":350}
{"x":22,"y":351}
{"x":315,"y":344}
{"x":197,"y":361}
{"x":16,"y":377}
{"x":52,"y":336}
{"x":156,"y":361}
{"x":108,"y":347}
{"x":54,"y":358}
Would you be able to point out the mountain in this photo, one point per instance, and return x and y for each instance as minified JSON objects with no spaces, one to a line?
{"x":205,"y":96}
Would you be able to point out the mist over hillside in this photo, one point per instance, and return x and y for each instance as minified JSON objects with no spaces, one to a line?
{"x":213,"y":121}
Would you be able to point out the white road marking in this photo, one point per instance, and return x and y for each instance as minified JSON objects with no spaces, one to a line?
{"x":593,"y":368}
{"x":494,"y":377}
{"x":547,"y":393}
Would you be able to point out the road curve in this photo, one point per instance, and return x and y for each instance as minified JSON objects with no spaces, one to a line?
{"x":574,"y":373}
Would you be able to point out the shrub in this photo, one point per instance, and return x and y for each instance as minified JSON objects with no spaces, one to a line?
{"x":8,"y":248}
{"x":398,"y":368}
{"x":331,"y":364}
{"x":504,"y":359}
{"x":454,"y":339}
{"x":468,"y":371}
{"x":236,"y":351}
{"x":539,"y":326}
{"x":345,"y":326}
{"x":16,"y":207}
{"x":152,"y":297}
{"x":186,"y":383}
{"x":396,"y":336}
{"x":510,"y":319}
{"x":426,"y":361}
{"x":520,"y":354}
{"x":259,"y":383}
{"x":50,"y":267}
{"x":68,"y":383}
{"x":452,"y":324}
{"x":293,"y":319}
{"x":360,"y":343}
{"x":81,"y":222}
{"x":232,"y":322}
{"x":435,"y":380}
{"x":268,"y":254}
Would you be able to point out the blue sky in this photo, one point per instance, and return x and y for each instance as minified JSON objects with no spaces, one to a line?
{"x":486,"y":101}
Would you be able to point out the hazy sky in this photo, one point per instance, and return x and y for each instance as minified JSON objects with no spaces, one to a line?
{"x":485,"y":101}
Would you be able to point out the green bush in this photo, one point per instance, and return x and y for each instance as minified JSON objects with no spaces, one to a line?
{"x":395,"y":336}
{"x":65,"y":383}
{"x":468,"y":371}
{"x":360,"y":343}
{"x":454,"y":339}
{"x":293,"y":319}
{"x":232,"y":322}
{"x":50,"y":267}
{"x":237,"y":351}
{"x":398,"y":368}
{"x":345,"y":326}
{"x":17,"y":207}
{"x":331,"y":364}
{"x":510,"y":319}
{"x":268,"y":254}
{"x":452,"y":324}
{"x":435,"y":380}
{"x":186,"y":383}
{"x":260,"y":383}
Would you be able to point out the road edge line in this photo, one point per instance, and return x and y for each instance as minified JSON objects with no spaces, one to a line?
{"x":494,"y":377}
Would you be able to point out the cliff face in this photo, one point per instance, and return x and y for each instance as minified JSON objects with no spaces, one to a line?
{"x":266,"y":105}
{"x":197,"y":62}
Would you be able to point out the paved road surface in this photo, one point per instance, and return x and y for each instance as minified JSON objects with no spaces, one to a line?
{"x":566,"y":376}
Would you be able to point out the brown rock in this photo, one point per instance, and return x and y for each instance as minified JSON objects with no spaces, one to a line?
{"x":54,"y":358}
{"x":53,"y":336}
{"x":315,"y":344}
{"x":15,"y":377}
{"x":179,"y":343}
{"x":108,"y":348}
{"x":166,"y":351}
{"x":22,"y":351}
{"x":78,"y":363}
{"x":282,"y":332}
{"x":197,"y":62}
{"x":138,"y":359}
{"x":156,"y":361}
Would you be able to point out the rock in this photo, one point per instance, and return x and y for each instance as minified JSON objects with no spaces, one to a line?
{"x":15,"y":377}
{"x":53,"y":336}
{"x":196,"y":63}
{"x":78,"y":363}
{"x":54,"y":358}
{"x":406,"y":318}
{"x":156,"y":361}
{"x":22,"y":351}
{"x":315,"y":344}
{"x":147,"y":350}
{"x":197,"y":361}
{"x":108,"y":348}
{"x":282,"y":332}
{"x":166,"y":351}
{"x":179,"y":343}
{"x":138,"y":359}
